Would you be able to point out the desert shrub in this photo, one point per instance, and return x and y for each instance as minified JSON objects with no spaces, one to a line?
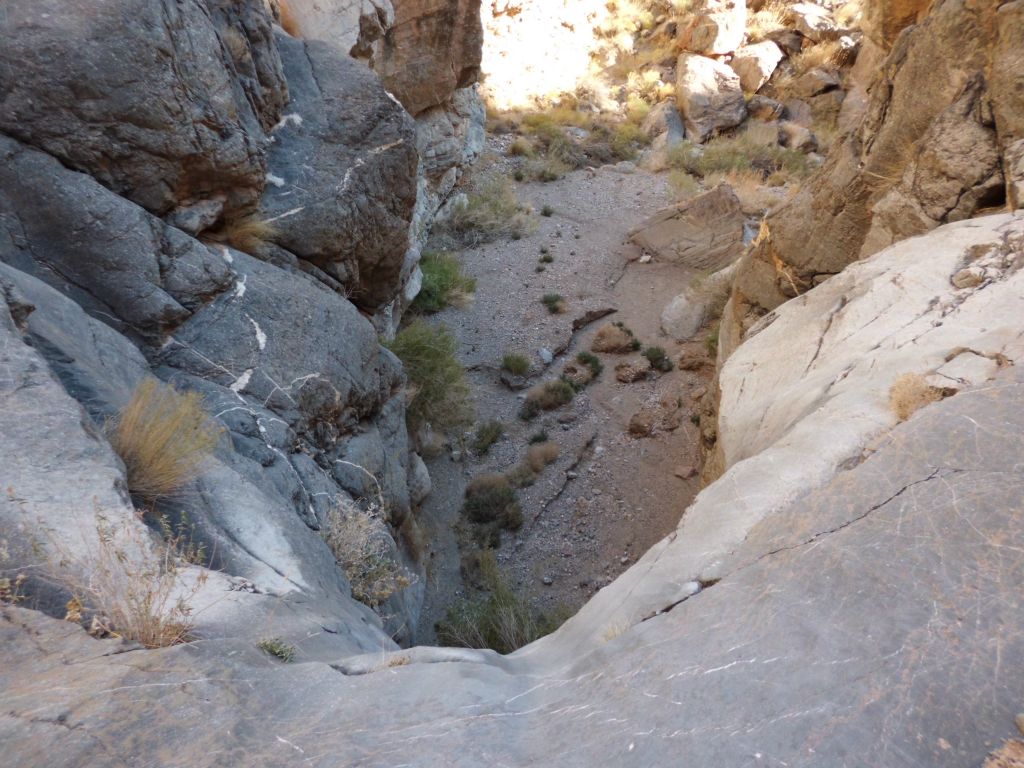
{"x":277,"y":648}
{"x":547,"y":397}
{"x":540,"y":455}
{"x":547,"y":258}
{"x":521,"y":147}
{"x":658,"y":358}
{"x":131,"y":590}
{"x":738,"y":153}
{"x":613,"y":338}
{"x":487,"y":434}
{"x":490,"y":499}
{"x":547,"y":211}
{"x":491,"y":211}
{"x":711,"y":341}
{"x":439,"y":390}
{"x":683,"y":183}
{"x":515,"y":364}
{"x":547,"y":169}
{"x":162,"y":436}
{"x":770,"y":18}
{"x":626,"y":138}
{"x":361,"y":546}
{"x":909,"y":393}
{"x":499,"y":620}
{"x":554,"y":302}
{"x":592,"y":362}
{"x":538,"y":437}
{"x":444,"y":284}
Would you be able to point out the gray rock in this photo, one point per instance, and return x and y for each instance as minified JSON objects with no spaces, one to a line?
{"x":709,"y":95}
{"x":150,"y":107}
{"x":345,"y":157}
{"x":123,"y":265}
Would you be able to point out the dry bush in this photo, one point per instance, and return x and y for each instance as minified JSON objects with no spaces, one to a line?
{"x":752,"y":189}
{"x":521,"y":147}
{"x":540,"y":455}
{"x":491,"y":211}
{"x":551,"y":394}
{"x":128,"y":592}
{"x":828,"y":54}
{"x":491,"y":502}
{"x":739,"y":153}
{"x":444,"y":284}
{"x":516,"y":364}
{"x":487,"y":434}
{"x":486,"y":483}
{"x":247,"y":233}
{"x":771,"y":18}
{"x":613,"y":339}
{"x":162,"y":436}
{"x":362,"y":546}
{"x":910,"y":393}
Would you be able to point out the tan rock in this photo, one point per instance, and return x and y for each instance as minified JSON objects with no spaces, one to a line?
{"x":633,"y":370}
{"x":718,"y":27}
{"x":883,"y":21}
{"x":755,"y":64}
{"x":704,"y":232}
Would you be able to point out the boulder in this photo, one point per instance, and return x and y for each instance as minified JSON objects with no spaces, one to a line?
{"x":664,"y":125}
{"x":690,"y":310}
{"x":813,"y":83}
{"x":430,"y":50}
{"x":717,"y":27}
{"x":709,"y":96}
{"x":755,"y":64}
{"x":796,"y":136}
{"x":152,"y":109}
{"x":345,"y":158}
{"x":763,"y":108}
{"x":813,"y":21}
{"x":355,"y":28}
{"x":704,"y":232}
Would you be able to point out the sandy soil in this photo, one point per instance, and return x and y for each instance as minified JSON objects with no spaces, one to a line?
{"x":610,"y":496}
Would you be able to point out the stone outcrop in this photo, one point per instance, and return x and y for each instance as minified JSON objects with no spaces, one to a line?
{"x":788,"y":622}
{"x":709,"y":96}
{"x":704,"y":232}
{"x":717,"y":27}
{"x":936,"y":142}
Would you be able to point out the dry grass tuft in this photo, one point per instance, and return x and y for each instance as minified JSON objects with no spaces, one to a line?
{"x":491,"y":211}
{"x":248,"y":233}
{"x":771,"y":18}
{"x":129,"y":593}
{"x":486,"y":483}
{"x":162,"y":436}
{"x":362,"y":548}
{"x":613,"y":339}
{"x":541,"y":455}
{"x":910,"y":393}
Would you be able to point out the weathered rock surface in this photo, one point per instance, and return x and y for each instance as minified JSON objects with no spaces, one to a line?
{"x":755,"y":64}
{"x":345,"y":170}
{"x":140,"y":95}
{"x":704,"y":232}
{"x":687,"y":312}
{"x":717,"y":27}
{"x":927,"y":151}
{"x":709,"y":96}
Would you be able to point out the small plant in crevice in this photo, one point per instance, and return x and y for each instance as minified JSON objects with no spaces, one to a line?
{"x":444,"y":284}
{"x":247,"y":233}
{"x":278,"y":648}
{"x":515,"y":364}
{"x":554,"y":302}
{"x":162,"y":436}
{"x":363,"y":549}
{"x":439,"y":392}
{"x":659,"y":359}
{"x":711,"y":341}
{"x":498,"y":619}
{"x":487,"y":434}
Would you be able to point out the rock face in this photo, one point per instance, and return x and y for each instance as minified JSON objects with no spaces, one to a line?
{"x":139,"y":140}
{"x":718,"y":27}
{"x":709,"y":96}
{"x":704,"y":232}
{"x":936,"y":143}
{"x":773,"y":623}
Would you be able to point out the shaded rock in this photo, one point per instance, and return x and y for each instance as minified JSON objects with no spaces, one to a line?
{"x":814,"y":82}
{"x":789,"y":40}
{"x":763,"y":108}
{"x":121,"y":264}
{"x":348,"y":173}
{"x":664,"y":119}
{"x":687,"y":312}
{"x":151,"y":108}
{"x":709,"y":96}
{"x":703,"y":232}
{"x":755,"y":64}
{"x":796,"y":136}
{"x":356,"y":28}
{"x":632,"y":371}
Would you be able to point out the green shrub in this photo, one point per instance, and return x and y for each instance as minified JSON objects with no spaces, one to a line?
{"x":546,"y":397}
{"x":547,"y":258}
{"x":539,"y":437}
{"x":554,"y":303}
{"x":499,"y":620}
{"x":737,"y":153}
{"x":278,"y":648}
{"x":659,"y":360}
{"x":439,"y":391}
{"x":711,"y":342}
{"x":521,"y":148}
{"x":515,"y":364}
{"x":487,"y":434}
{"x":592,"y":361}
{"x":492,"y":503}
{"x":547,"y":211}
{"x":491,"y":211}
{"x":443,"y":284}
{"x":625,"y":139}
